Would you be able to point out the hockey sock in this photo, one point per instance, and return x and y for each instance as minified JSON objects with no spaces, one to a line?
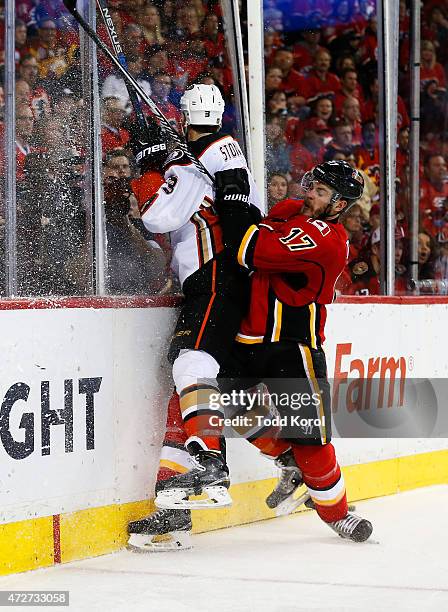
{"x":202,"y":416}
{"x":253,"y":422}
{"x":323,"y":477}
{"x":174,"y":458}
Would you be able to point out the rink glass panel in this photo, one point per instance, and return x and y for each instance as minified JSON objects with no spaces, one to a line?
{"x":430,"y":200}
{"x":309,"y":121}
{"x":166,"y":51}
{"x":53,"y":160}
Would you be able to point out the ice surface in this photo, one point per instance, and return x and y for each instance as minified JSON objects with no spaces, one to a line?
{"x":282,"y":565}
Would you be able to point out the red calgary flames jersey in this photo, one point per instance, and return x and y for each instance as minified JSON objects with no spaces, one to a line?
{"x":297,"y":261}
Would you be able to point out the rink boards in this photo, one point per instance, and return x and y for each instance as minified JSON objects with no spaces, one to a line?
{"x":84,"y":385}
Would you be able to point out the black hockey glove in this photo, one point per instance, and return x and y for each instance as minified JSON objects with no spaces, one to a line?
{"x":236,"y":215}
{"x":232,"y":188}
{"x":150,"y":149}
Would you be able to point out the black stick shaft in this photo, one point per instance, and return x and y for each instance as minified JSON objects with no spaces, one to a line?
{"x":108,"y":22}
{"x":165,"y":124}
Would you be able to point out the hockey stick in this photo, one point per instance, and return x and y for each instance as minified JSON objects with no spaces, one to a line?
{"x":165,"y":124}
{"x":105,"y":14}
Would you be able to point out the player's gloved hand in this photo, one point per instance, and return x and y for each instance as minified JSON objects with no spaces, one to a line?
{"x":232,"y":188}
{"x":236,"y":215}
{"x":150,"y":149}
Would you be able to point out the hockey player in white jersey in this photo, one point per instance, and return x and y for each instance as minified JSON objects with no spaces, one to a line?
{"x":215,"y":300}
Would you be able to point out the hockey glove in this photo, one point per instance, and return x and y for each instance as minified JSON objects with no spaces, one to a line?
{"x":150,"y":149}
{"x":232,"y":188}
{"x":236,"y":215}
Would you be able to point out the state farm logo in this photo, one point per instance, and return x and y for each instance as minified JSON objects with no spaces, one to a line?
{"x":375,"y":383}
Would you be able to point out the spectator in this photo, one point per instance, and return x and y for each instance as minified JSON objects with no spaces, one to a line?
{"x":273,"y":79}
{"x":49,"y":53}
{"x":133,"y":42}
{"x":24,"y":135}
{"x":67,"y":114}
{"x":323,"y":108}
{"x":277,"y":188}
{"x":427,"y":255}
{"x":349,"y":89}
{"x":344,"y":62}
{"x":352,"y":221}
{"x":49,"y":135}
{"x":293,"y":83}
{"x":370,"y":107}
{"x":367,"y":155}
{"x":370,"y":190}
{"x":342,"y":139}
{"x":20,"y":39}
{"x":2,"y":113}
{"x":115,"y":86}
{"x":436,"y":29}
{"x":23,"y":92}
{"x":310,"y":151}
{"x":158,"y":61}
{"x":29,"y":71}
{"x":52,"y":227}
{"x":434,"y":194}
{"x":119,"y":163}
{"x":213,"y":39}
{"x":277,"y":150}
{"x":402,"y":153}
{"x":430,"y":69}
{"x":320,"y":80}
{"x":351,"y":113}
{"x":161,"y":90}
{"x":276,"y":104}
{"x":134,"y":266}
{"x":365,"y":269}
{"x":272,"y":42}
{"x":151,"y":24}
{"x":305,"y":51}
{"x":113,"y":135}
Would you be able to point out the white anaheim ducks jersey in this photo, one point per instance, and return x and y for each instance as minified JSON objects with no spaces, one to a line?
{"x":182,"y":205}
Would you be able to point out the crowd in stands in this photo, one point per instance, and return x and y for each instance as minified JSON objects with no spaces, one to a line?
{"x":321,"y":104}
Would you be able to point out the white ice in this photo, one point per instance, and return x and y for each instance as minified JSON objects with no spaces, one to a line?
{"x":282,"y":565}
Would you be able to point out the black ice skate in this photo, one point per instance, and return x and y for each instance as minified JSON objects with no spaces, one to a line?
{"x":352,"y":527}
{"x":161,"y":531}
{"x":211,"y":476}
{"x":282,"y":497}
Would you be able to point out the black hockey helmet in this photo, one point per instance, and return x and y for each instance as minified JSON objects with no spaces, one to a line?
{"x":347,"y":182}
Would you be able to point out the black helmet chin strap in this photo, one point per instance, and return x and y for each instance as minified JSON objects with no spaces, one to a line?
{"x":327,"y":214}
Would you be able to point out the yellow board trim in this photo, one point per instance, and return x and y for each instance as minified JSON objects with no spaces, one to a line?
{"x":28,"y":544}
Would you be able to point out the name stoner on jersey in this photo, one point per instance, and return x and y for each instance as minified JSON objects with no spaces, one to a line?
{"x":182,"y":205}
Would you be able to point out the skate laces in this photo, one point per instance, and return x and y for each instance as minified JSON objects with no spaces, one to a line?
{"x":160,"y":514}
{"x":348,"y":524}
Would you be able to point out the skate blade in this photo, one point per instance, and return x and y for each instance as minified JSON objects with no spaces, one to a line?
{"x":218,"y":497}
{"x":291,"y":503}
{"x":175,"y":540}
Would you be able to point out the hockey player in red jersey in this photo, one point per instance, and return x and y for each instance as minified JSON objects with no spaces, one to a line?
{"x":296,"y":254}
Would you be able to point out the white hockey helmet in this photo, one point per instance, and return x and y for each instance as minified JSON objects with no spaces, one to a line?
{"x":202,"y":105}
